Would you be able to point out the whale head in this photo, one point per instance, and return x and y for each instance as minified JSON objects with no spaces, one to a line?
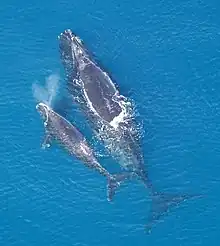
{"x":70,"y":41}
{"x":43,"y":110}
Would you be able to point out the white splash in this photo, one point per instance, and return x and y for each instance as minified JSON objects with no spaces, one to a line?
{"x":48,"y":92}
{"x":39,"y":92}
{"x":52,"y":83}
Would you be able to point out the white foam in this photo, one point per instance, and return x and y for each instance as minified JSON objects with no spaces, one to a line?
{"x":122,"y":116}
{"x":118,"y":119}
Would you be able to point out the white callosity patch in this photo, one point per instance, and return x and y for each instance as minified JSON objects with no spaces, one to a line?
{"x":46,"y":108}
{"x":83,"y":62}
{"x":78,"y":52}
{"x":78,"y":40}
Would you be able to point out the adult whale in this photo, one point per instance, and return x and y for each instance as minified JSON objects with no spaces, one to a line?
{"x":110,"y":115}
{"x":60,"y":129}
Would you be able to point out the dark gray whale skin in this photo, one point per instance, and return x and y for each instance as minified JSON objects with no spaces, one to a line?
{"x":97,"y":96}
{"x":59,"y":129}
{"x":96,"y":84}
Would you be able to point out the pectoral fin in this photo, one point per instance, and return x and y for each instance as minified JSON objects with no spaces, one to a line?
{"x":47,"y":141}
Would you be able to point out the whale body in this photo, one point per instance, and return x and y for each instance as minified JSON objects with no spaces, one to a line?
{"x":111,"y":117}
{"x":60,"y":129}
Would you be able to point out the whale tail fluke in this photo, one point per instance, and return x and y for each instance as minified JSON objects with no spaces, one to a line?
{"x":161,"y":205}
{"x":114,"y":181}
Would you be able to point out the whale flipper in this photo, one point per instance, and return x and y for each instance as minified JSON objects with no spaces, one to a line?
{"x":47,"y":141}
{"x":114,"y":181}
{"x":161,"y":205}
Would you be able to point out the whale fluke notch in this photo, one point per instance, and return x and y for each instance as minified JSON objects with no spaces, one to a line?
{"x":161,"y":205}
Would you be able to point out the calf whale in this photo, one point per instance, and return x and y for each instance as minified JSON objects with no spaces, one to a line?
{"x":111,"y":116}
{"x":59,"y":129}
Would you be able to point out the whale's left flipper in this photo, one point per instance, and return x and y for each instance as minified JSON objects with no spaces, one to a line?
{"x":114,"y":181}
{"x":47,"y":141}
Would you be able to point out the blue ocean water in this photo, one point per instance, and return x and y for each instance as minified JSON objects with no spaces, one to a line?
{"x":165,"y":56}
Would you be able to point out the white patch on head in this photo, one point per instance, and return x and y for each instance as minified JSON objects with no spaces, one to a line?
{"x":82,"y":64}
{"x":78,"y":53}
